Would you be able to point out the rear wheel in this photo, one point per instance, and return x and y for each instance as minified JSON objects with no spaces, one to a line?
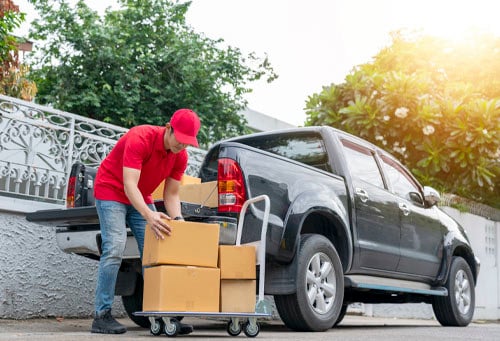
{"x":457,"y":308}
{"x":317,"y":303}
{"x":342,"y":313}
{"x":133,"y":303}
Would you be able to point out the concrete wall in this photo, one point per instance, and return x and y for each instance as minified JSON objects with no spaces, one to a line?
{"x":257,"y":121}
{"x":39,"y":280}
{"x":484,"y":236}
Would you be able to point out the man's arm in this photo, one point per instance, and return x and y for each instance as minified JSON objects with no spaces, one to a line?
{"x":171,"y":197}
{"x":154,"y":219}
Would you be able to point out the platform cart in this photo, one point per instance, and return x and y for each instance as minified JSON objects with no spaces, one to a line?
{"x":165,"y":322}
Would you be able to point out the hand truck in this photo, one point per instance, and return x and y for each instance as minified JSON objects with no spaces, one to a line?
{"x":165,"y":322}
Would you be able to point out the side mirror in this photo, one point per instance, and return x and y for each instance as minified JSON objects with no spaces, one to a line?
{"x":431,"y":196}
{"x":416,"y":198}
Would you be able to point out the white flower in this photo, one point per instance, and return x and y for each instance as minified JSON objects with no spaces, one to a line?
{"x":485,"y":131}
{"x":379,"y":137}
{"x":401,"y":112}
{"x":400,"y":150}
{"x":387,"y":118}
{"x":428,"y":130}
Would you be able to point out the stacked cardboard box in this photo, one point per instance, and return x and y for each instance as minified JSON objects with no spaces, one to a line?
{"x":237,"y":273}
{"x":192,"y":190}
{"x":189,"y":271}
{"x":181,"y":271}
{"x":185,"y":180}
{"x":204,"y":194}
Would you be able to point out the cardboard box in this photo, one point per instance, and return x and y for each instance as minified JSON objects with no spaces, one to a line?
{"x":158,"y":193}
{"x":185,"y":180}
{"x":237,"y":295}
{"x":205,"y":193}
{"x":237,"y":261}
{"x":181,"y":288}
{"x":189,"y":180}
{"x":190,"y":243}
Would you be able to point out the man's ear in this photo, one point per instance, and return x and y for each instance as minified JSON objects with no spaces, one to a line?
{"x":169,"y":128}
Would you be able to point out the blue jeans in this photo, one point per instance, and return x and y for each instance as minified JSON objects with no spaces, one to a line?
{"x":113,"y":218}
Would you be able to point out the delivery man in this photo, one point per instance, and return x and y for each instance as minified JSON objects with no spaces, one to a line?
{"x":140,"y":161}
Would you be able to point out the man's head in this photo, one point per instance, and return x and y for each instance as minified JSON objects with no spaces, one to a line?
{"x":186,"y":125}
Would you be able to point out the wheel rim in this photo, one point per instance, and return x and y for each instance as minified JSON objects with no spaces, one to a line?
{"x":463,"y":292}
{"x":233,"y":328}
{"x":156,"y":327}
{"x":171,"y":328}
{"x":320,"y":283}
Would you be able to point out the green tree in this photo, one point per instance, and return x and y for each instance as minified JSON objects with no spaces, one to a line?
{"x":10,"y":19}
{"x":13,"y":74}
{"x":433,"y":103}
{"x":138,"y":64}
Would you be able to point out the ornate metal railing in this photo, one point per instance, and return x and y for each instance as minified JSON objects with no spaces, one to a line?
{"x":39,"y":144}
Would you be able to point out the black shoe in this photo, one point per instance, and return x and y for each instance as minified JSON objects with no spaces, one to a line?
{"x":104,"y":323}
{"x":185,"y":328}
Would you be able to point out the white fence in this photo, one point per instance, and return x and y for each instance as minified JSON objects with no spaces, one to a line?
{"x":39,"y":144}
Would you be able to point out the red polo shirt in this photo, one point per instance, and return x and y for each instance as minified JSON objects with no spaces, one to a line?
{"x":140,"y":148}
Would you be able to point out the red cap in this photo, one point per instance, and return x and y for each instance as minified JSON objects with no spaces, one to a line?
{"x":186,"y":125}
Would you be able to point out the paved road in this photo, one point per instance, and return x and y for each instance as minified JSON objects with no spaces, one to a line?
{"x":352,"y":328}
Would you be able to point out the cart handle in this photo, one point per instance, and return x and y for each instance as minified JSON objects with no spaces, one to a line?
{"x":262,"y":247}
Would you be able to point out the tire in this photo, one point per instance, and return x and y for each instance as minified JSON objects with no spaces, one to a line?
{"x":157,"y":327}
{"x":457,"y":308}
{"x":233,"y":329}
{"x":133,"y":303}
{"x":172,"y":329}
{"x":342,"y":313}
{"x":251,"y":330}
{"x":319,"y":274}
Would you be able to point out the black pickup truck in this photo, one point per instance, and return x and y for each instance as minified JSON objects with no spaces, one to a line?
{"x":348,"y":223}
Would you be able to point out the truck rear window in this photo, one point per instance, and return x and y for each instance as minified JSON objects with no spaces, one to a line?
{"x":304,"y":148}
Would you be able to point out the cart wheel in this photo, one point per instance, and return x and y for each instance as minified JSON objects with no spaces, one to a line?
{"x":172,"y":329}
{"x":157,"y":327}
{"x":251,"y":331}
{"x":233,"y":329}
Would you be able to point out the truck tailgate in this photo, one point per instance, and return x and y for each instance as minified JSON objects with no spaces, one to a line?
{"x":65,"y":217}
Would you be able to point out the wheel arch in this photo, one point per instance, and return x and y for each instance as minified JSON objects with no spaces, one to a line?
{"x":468,"y":256}
{"x":462,"y":251}
{"x":317,"y":220}
{"x":327,"y":223}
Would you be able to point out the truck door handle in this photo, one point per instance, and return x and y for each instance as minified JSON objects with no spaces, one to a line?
{"x":363,"y":195}
{"x":404,"y":208}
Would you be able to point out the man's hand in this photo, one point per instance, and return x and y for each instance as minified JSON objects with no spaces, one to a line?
{"x":157,"y":223}
{"x":154,"y":219}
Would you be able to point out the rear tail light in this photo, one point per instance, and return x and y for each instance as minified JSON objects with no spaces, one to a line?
{"x":231,"y":186}
{"x":70,"y":193}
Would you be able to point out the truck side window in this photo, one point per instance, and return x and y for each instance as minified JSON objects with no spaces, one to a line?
{"x":362,"y":163}
{"x":401,"y":182}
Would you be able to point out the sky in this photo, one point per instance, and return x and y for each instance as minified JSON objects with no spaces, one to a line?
{"x":314,"y":43}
